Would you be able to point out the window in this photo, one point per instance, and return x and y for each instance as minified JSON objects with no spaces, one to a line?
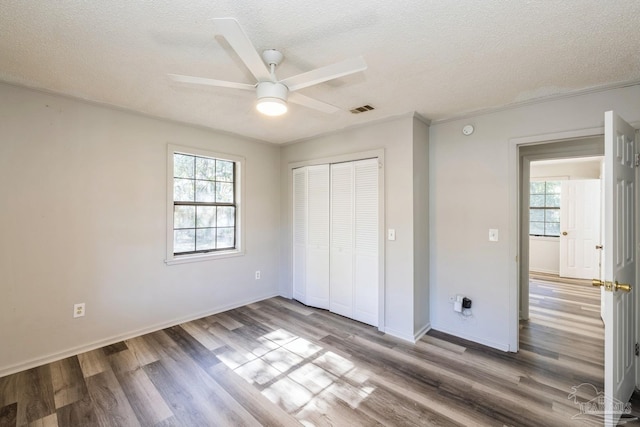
{"x":544,"y":208}
{"x":204,"y":209}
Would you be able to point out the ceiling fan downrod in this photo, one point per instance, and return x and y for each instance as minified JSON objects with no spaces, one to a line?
{"x":272,"y":58}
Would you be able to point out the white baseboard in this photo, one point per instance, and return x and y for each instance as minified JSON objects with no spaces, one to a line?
{"x":479,"y":340}
{"x":38,"y":361}
{"x":406,"y":337}
{"x":401,"y":335}
{"x":544,"y":271}
{"x":286,"y":294}
{"x":426,"y":328}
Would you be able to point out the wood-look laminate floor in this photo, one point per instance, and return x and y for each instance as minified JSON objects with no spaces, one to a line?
{"x":280,"y":363}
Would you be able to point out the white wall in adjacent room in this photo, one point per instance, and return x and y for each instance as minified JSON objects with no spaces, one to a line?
{"x":544,"y":255}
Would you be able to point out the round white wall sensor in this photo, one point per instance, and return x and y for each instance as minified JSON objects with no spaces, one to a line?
{"x":467,"y":130}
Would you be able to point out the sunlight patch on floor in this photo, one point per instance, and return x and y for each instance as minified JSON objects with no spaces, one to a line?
{"x":298,"y":375}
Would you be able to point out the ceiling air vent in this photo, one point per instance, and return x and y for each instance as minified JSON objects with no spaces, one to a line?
{"x":362,"y":109}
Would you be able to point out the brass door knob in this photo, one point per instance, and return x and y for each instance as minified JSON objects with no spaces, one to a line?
{"x":611,"y":287}
{"x":564,"y":233}
{"x":598,"y":246}
{"x":622,"y":287}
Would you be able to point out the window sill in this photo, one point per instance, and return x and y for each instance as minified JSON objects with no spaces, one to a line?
{"x":185,"y":259}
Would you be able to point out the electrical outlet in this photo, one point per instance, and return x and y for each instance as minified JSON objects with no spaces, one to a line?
{"x":258,"y":275}
{"x":78,"y":310}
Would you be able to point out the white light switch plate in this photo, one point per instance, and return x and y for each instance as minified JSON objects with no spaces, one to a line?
{"x":391,"y":234}
{"x":493,"y":234}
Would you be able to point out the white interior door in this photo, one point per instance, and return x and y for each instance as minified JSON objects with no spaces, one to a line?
{"x":341,"y":253}
{"x":335,"y":238}
{"x":311,"y":235}
{"x":354,"y":284}
{"x":366,"y":241}
{"x":579,"y":228}
{"x":317,"y":252}
{"x":300,"y":234}
{"x":619,"y":256}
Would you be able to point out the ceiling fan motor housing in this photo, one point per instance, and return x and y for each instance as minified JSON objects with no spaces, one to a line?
{"x":272,"y":90}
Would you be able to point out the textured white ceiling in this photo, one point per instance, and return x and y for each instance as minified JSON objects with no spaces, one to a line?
{"x":440,"y":58}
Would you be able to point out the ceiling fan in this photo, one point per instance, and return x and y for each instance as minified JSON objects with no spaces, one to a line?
{"x":272,"y":93}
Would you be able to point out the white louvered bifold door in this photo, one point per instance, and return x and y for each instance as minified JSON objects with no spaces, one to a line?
{"x":354,"y":240}
{"x":341,"y":256}
{"x":317,"y":267}
{"x":299,"y":234}
{"x":335,"y":238}
{"x":366,"y":241}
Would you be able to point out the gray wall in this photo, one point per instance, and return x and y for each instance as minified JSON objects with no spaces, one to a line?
{"x":469,"y":194}
{"x":83,"y":219}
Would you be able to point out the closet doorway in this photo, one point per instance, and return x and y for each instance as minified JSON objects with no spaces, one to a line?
{"x":337,"y":247}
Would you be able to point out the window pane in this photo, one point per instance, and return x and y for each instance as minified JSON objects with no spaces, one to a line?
{"x":205,"y":168}
{"x":226,"y":216}
{"x":183,"y":190}
{"x":224,"y":192}
{"x":183,"y":166}
{"x":224,"y":171}
{"x":205,"y":239}
{"x":184,"y":217}
{"x":201,"y":185}
{"x":184,"y":241}
{"x":545,"y":194}
{"x":536,"y":187}
{"x":536,"y":214}
{"x":552,"y":215}
{"x":536,"y":201}
{"x":536,"y":228}
{"x":226,"y":238}
{"x":205,"y":191}
{"x":553,"y":187}
{"x":553,"y":201}
{"x":553,"y":229}
{"x":206,"y":216}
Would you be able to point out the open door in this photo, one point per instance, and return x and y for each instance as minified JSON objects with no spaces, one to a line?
{"x":619,"y":268}
{"x":580,"y":229}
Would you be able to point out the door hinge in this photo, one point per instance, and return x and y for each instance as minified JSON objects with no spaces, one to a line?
{"x":637,"y":159}
{"x":637,"y":350}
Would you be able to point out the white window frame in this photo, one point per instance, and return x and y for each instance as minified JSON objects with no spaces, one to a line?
{"x":172,"y":259}
{"x":545,"y":179}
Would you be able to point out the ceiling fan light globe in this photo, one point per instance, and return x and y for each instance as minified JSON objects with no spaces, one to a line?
{"x":271,"y":106}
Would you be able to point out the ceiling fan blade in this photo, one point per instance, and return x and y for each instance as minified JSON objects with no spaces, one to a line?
{"x":305,"y":101}
{"x":209,"y":82}
{"x":231,"y":30}
{"x":319,"y":75}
